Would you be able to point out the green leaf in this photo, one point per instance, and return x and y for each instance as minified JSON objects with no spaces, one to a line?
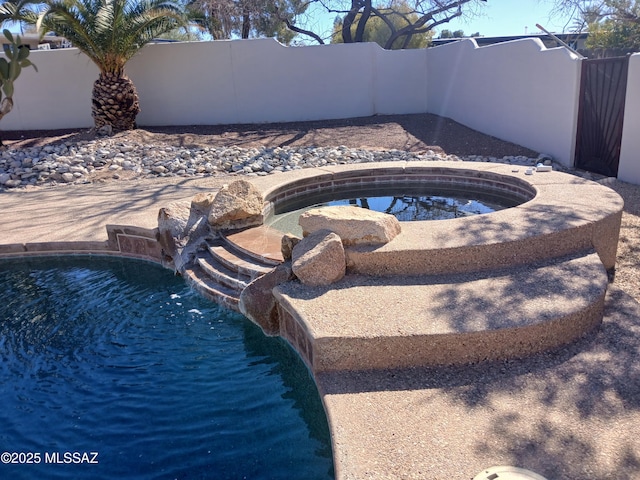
{"x":7,"y":88}
{"x":23,"y":53}
{"x":27,"y":63}
{"x":7,"y":35}
{"x":7,"y":50}
{"x":14,"y":71}
{"x":4,"y":68}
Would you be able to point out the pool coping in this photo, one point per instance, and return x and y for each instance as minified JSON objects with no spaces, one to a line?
{"x":122,"y":240}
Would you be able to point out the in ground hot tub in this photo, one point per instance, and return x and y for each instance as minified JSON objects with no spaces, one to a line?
{"x":556,"y":214}
{"x":407,"y":201}
{"x":434,"y":194}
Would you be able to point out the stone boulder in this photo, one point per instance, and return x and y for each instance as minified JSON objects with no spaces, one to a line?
{"x":286,"y":245}
{"x":201,"y":202}
{"x":319,"y":259}
{"x":237,"y":205}
{"x":257,"y":302}
{"x":181,"y":230}
{"x":354,"y":225}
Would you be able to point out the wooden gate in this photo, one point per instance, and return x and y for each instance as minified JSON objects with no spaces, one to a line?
{"x":603,"y":88}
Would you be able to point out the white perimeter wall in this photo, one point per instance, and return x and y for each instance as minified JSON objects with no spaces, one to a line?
{"x":249,"y":81}
{"x":57,"y":96}
{"x":255,"y":81}
{"x":629,"y":167}
{"x":517,"y":91}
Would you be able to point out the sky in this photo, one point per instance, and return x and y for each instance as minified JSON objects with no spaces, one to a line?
{"x":511,"y":17}
{"x":495,"y":18}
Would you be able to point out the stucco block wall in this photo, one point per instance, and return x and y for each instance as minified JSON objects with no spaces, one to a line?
{"x":183,"y":83}
{"x":251,"y":81}
{"x":629,"y":167}
{"x":58,"y":95}
{"x":400,"y":81}
{"x":248,"y":81}
{"x":256,"y":81}
{"x":518,"y":91}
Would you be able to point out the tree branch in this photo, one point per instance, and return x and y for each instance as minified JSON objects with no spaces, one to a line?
{"x":411,"y":29}
{"x":362,"y":22}
{"x":302,"y":31}
{"x":348,"y":21}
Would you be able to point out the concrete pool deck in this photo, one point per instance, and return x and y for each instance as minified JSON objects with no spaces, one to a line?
{"x":569,"y":414}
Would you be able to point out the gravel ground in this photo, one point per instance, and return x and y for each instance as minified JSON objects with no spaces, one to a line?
{"x":628,"y":260}
{"x":412,"y":133}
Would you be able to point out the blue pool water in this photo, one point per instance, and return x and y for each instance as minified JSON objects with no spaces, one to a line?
{"x":120,"y":358}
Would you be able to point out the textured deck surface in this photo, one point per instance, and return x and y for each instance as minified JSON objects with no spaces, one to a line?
{"x":365,"y":322}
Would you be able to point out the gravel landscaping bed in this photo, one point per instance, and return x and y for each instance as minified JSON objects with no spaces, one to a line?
{"x":68,"y":157}
{"x":99,"y":160}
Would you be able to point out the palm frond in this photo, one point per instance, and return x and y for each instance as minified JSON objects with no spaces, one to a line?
{"x":110,"y":32}
{"x":22,"y":11}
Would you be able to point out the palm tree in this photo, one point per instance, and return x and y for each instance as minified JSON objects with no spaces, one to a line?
{"x":110,"y":32}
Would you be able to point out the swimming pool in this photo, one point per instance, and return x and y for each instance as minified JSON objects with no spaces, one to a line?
{"x":118,"y":357}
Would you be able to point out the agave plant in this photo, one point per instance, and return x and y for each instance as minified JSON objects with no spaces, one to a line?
{"x":110,"y":32}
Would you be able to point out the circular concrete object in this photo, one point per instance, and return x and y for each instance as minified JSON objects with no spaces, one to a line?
{"x":507,"y":473}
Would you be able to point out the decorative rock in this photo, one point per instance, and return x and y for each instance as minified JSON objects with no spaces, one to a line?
{"x":68,"y":177}
{"x":151,"y":161}
{"x":287,"y":244}
{"x":202,"y":201}
{"x":354,"y":225}
{"x":319,"y":259}
{"x":12,"y":183}
{"x":257,"y":302}
{"x":180,"y":232}
{"x":173,"y":218}
{"x":237,"y":205}
{"x":105,"y":130}
{"x":544,"y":157}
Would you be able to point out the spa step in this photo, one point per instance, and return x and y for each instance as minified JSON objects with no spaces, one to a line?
{"x":261,"y":243}
{"x":210,"y":288}
{"x":236,"y":260}
{"x":223,"y":270}
{"x":230,"y":278}
{"x":365,"y":322}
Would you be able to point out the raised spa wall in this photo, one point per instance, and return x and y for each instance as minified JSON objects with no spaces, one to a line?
{"x":560,"y":214}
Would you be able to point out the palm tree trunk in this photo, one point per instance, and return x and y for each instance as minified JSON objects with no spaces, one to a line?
{"x":115,"y":102}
